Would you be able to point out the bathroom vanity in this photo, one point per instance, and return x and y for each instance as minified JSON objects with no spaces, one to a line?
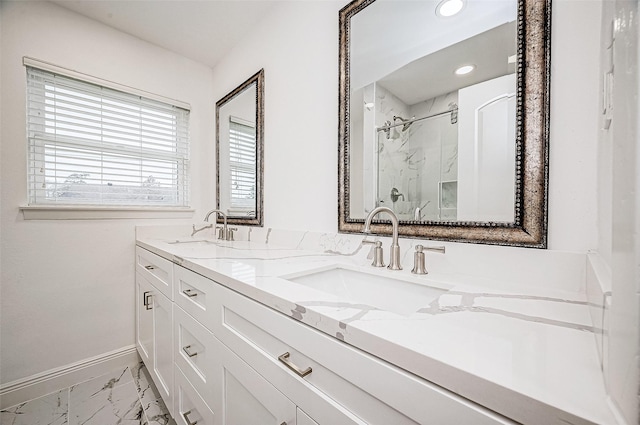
{"x":239,"y":332}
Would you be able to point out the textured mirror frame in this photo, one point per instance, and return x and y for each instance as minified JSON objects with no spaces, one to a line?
{"x":532,"y":136}
{"x":258,"y":80}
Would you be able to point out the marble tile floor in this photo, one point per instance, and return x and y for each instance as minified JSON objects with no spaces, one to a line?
{"x":125,"y":396}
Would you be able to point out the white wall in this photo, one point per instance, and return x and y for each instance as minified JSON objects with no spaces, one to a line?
{"x":619,"y":207}
{"x":68,"y":286}
{"x":297,"y":45}
{"x":574,"y":124}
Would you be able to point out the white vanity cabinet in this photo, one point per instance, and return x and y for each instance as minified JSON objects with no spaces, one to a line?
{"x":238,"y":361}
{"x":234,"y":393}
{"x":214,"y":386}
{"x":345,"y":385}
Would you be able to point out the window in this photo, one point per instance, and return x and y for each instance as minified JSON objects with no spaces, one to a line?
{"x":242,"y":164}
{"x":95,"y":145}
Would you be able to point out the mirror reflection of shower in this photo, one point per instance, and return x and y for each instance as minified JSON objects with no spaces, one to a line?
{"x":447,"y":158}
{"x":417,"y":164}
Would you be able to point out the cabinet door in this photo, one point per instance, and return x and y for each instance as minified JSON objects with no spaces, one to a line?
{"x":163,"y":346}
{"x":248,"y":398}
{"x":144,"y":321}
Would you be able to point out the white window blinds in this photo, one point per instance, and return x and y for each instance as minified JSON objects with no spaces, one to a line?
{"x":242,"y":164}
{"x":93,"y":145}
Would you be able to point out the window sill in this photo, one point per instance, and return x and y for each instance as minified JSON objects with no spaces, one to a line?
{"x":78,"y":212}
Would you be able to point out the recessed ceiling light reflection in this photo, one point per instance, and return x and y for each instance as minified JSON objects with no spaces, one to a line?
{"x":463,"y":70}
{"x":447,"y":8}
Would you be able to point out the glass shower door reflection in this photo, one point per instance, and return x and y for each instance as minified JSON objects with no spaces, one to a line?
{"x":417,"y":169}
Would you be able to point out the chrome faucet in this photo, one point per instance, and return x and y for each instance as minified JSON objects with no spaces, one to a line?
{"x":394,"y":257}
{"x":225,"y":231}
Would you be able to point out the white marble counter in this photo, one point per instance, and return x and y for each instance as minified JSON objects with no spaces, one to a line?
{"x":527,"y":352}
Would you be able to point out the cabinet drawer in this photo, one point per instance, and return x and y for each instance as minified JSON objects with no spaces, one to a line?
{"x":190,"y":408}
{"x":374,"y":391}
{"x":194,"y":293}
{"x":247,"y":397}
{"x":155,"y":269}
{"x":196,"y":352}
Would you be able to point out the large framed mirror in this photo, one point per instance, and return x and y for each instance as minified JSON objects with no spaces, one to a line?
{"x":239,"y":153}
{"x":444,"y":118}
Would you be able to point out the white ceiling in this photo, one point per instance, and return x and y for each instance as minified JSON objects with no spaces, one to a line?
{"x":202,"y":30}
{"x":390,"y":34}
{"x":433,"y":75}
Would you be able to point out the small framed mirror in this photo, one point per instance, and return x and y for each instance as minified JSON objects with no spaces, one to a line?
{"x":446,"y":120}
{"x":239,"y":153}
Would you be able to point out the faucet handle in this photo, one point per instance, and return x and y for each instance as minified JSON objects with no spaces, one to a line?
{"x":418,"y":261}
{"x":220,"y":230}
{"x":230,"y":231}
{"x":376,"y":253}
{"x":418,"y":258}
{"x":440,"y":249}
{"x":367,"y":242}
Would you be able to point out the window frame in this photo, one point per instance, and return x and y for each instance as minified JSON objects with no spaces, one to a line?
{"x":238,"y":124}
{"x":56,"y":210}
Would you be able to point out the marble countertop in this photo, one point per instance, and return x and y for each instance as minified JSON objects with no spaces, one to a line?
{"x":526,"y":352}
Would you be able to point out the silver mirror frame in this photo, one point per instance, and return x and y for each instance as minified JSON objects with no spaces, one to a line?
{"x":258,"y":79}
{"x":532,"y":136}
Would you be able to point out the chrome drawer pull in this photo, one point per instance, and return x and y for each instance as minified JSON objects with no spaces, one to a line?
{"x":185,"y":415}
{"x":186,"y":350}
{"x":145,"y":300}
{"x":285,"y":359}
{"x":150,"y":267}
{"x":190,"y":293}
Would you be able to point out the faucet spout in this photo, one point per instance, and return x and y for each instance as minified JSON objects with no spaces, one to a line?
{"x":394,"y":260}
{"x":193,"y":226}
{"x":224,"y":217}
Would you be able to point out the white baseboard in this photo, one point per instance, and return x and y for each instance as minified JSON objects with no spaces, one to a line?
{"x":46,"y":382}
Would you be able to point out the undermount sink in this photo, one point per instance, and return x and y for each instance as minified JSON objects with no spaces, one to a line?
{"x":378,"y":290}
{"x":199,"y":242}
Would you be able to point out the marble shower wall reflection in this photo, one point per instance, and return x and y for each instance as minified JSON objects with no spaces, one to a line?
{"x":415,"y":166}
